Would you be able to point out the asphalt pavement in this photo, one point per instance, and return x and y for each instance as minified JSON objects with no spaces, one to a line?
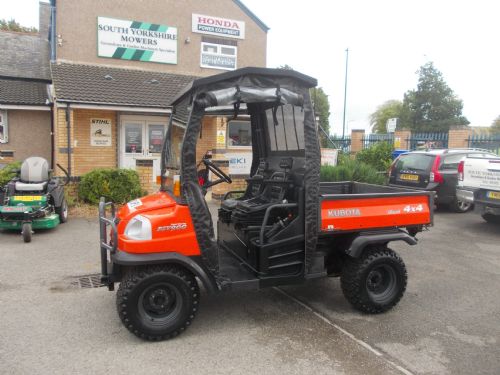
{"x":447,"y":323}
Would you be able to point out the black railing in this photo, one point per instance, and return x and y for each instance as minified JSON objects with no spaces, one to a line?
{"x":422,"y":141}
{"x":486,"y":142}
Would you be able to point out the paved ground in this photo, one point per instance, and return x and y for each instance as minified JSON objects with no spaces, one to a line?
{"x":448,"y":322}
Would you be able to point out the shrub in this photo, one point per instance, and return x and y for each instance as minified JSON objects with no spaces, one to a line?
{"x":378,"y":156}
{"x":352,"y":170}
{"x":116,"y":185}
{"x":9,"y":172}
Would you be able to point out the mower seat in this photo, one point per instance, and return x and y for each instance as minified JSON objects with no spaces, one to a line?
{"x":34,"y":175}
{"x":21,"y":186}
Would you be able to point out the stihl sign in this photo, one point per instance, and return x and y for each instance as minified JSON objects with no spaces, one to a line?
{"x":218,"y":26}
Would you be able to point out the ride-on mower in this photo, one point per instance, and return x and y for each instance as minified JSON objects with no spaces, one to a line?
{"x":287,"y":227}
{"x":33,"y":200}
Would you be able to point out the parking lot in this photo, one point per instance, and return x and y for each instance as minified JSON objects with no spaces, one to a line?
{"x":447,"y":323}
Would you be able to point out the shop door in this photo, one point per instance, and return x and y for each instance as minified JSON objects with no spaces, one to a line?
{"x":154,"y":140}
{"x":141,"y":139}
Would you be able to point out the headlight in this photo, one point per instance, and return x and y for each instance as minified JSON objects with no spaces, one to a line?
{"x":139,"y":228}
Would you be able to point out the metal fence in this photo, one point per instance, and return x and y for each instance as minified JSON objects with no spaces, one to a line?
{"x":340,"y":143}
{"x":372,"y":139}
{"x":421,"y":141}
{"x":486,"y":142}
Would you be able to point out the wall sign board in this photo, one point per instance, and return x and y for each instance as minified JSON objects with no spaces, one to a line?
{"x":218,"y":26}
{"x":329,"y":156}
{"x":240,"y":162}
{"x":100,"y":132}
{"x":218,"y":56}
{"x":135,"y":40}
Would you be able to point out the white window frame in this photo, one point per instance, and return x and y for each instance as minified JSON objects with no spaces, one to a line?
{"x":218,"y":53}
{"x":5,"y":124}
{"x":228,"y":139}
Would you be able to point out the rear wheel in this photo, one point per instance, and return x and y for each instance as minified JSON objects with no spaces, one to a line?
{"x":62,"y":211}
{"x":460,"y":206}
{"x":374,"y":282}
{"x":27,"y":231}
{"x":490,"y":218}
{"x":158,"y":302}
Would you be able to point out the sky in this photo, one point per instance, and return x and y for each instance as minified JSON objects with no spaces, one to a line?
{"x":388,"y":40}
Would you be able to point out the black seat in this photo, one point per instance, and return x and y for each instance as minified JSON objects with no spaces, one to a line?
{"x":255,"y":186}
{"x":252,"y":211}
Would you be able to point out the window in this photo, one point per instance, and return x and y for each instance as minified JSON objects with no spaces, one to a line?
{"x":239,"y":134}
{"x":155,"y":138}
{"x":218,"y":56}
{"x":133,"y":138}
{"x":451,"y":162}
{"x":285,"y":125}
{"x":414,"y":162}
{"x":4,"y":136}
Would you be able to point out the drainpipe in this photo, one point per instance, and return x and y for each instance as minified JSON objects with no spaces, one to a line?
{"x":52,"y":138}
{"x":68,"y":132}
{"x":52,"y":30}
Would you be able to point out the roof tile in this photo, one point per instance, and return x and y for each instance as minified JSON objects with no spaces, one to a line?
{"x":22,"y":92}
{"x":105,"y":85}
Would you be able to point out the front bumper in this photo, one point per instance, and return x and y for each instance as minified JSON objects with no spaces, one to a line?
{"x":107,"y":246}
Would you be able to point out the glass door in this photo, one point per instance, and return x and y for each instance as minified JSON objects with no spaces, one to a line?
{"x":133,"y":143}
{"x":154,"y":141}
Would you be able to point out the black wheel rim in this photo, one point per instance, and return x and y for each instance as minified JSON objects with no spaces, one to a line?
{"x":160,"y":304}
{"x":381,"y":283}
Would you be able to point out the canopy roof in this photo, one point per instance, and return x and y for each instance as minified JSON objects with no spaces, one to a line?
{"x":257,"y":77}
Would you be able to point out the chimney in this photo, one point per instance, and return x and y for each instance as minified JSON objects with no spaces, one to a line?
{"x":44,"y":19}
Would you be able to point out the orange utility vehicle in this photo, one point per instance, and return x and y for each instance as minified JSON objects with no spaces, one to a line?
{"x":287,"y":227}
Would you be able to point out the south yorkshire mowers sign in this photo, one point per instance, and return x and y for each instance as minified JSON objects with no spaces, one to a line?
{"x":136,"y":40}
{"x":218,"y":26}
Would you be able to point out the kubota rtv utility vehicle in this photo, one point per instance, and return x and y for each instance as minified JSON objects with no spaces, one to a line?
{"x":287,"y":227}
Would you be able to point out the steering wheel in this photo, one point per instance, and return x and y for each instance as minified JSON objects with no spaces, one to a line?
{"x":216,"y":171}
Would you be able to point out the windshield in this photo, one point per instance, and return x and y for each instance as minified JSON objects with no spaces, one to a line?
{"x":414,"y":162}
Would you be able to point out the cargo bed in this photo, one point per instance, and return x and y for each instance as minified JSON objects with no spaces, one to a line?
{"x":354,"y":206}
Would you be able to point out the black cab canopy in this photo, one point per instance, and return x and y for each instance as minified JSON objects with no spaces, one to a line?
{"x":283,"y":126}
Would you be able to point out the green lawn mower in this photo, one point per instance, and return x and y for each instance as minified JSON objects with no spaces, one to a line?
{"x":34,"y":199}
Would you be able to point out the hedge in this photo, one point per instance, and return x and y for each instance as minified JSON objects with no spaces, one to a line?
{"x":378,"y":156}
{"x":9,"y":172}
{"x":116,"y":185}
{"x":352,"y":170}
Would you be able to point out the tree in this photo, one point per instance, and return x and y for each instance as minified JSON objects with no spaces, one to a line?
{"x":12,"y":25}
{"x":385,"y":111}
{"x":433,"y":106}
{"x":285,"y":67}
{"x":322,"y":110}
{"x":495,"y":126}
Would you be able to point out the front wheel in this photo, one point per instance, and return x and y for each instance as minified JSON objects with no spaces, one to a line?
{"x":27,"y":231}
{"x":63,"y":211}
{"x":374,"y":282}
{"x":158,"y":302}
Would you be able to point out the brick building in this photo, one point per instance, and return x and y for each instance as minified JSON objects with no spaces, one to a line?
{"x":116,"y":65}
{"x":25,"y":110}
